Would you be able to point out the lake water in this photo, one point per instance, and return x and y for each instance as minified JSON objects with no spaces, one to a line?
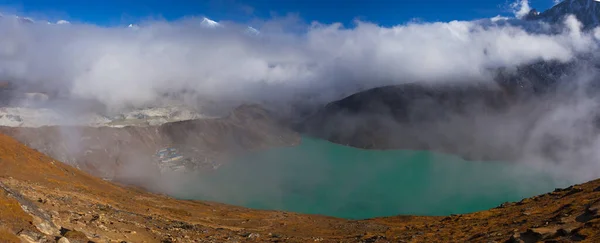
{"x":319,"y":177}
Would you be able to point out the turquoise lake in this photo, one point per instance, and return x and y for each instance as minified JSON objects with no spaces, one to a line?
{"x":319,"y":177}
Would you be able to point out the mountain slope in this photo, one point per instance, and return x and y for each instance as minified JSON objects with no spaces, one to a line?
{"x":206,"y":22}
{"x":43,"y":200}
{"x":462,"y":120}
{"x":478,"y":120}
{"x":586,"y":11}
{"x":119,"y":152}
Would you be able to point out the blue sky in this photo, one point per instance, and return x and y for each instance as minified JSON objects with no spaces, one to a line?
{"x":384,"y":12}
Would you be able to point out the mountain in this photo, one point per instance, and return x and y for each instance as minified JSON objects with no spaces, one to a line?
{"x":133,"y":26}
{"x":206,"y":22}
{"x":464,"y":119}
{"x":586,"y":11}
{"x":107,"y":151}
{"x":444,"y":118}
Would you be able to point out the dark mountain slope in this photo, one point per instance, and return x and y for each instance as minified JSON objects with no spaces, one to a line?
{"x":476,"y":120}
{"x":586,"y":11}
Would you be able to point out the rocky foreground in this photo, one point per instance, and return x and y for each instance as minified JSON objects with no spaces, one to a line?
{"x":44,"y":200}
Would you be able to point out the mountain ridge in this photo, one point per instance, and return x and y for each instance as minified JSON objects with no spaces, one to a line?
{"x":586,"y":11}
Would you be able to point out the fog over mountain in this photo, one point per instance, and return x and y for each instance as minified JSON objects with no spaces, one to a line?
{"x":120,"y":66}
{"x":544,"y":69}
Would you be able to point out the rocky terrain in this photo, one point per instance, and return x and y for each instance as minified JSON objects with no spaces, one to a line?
{"x":79,"y":177}
{"x":130,"y":151}
{"x":44,"y":200}
{"x":587,"y":11}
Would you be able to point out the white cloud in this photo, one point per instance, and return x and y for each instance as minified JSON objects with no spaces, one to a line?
{"x":521,"y":8}
{"x":117,"y":66}
{"x":120,"y":67}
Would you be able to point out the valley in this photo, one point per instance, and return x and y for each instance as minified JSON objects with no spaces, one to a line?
{"x":300,"y":125}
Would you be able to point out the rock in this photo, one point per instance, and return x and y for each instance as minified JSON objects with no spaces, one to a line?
{"x":544,"y":232}
{"x":253,"y":235}
{"x":27,"y":239}
{"x":591,"y":212}
{"x":63,"y":240}
{"x":74,"y":235}
{"x":564,"y":231}
{"x":504,"y":205}
{"x":594,"y":208}
{"x":44,"y":227}
{"x":524,"y":201}
{"x":95,"y":217}
{"x":515,"y":238}
{"x":30,"y":237}
{"x":537,"y":234}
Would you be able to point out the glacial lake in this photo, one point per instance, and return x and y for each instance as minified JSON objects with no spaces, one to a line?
{"x":319,"y":177}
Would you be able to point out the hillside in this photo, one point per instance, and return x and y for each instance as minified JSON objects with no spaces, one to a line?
{"x":44,"y":200}
{"x":586,"y":11}
{"x":502,"y":120}
{"x":129,"y":152}
{"x":446,"y":119}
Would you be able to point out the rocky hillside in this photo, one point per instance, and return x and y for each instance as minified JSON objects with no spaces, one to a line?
{"x":586,"y":11}
{"x":477,"y":120}
{"x":44,"y":200}
{"x":112,"y":152}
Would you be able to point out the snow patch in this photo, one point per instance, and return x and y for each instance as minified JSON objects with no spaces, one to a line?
{"x":38,"y":117}
{"x":209,"y":23}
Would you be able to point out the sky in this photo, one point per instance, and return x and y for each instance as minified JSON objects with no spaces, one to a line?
{"x":382,"y":12}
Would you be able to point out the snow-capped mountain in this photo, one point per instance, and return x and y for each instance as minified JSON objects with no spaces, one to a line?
{"x":28,"y":20}
{"x":209,"y":23}
{"x":133,"y":26}
{"x":25,"y":20}
{"x":586,"y":11}
{"x":206,"y":22}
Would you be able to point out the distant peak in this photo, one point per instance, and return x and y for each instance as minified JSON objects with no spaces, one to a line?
{"x":62,"y":22}
{"x":209,"y":22}
{"x":252,"y":31}
{"x":586,"y":11}
{"x":532,"y":14}
{"x":25,"y":20}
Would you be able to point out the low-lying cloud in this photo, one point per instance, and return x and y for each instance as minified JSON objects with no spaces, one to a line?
{"x":121,"y":66}
{"x":289,"y":62}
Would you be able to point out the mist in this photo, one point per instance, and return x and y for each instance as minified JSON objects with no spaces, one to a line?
{"x":290,"y":62}
{"x":121,"y":67}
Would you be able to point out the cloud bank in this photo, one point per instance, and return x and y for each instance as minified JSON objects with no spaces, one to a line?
{"x":291,"y":62}
{"x":121,"y":66}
